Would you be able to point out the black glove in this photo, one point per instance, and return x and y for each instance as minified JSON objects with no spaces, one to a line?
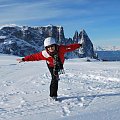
{"x":81,"y":45}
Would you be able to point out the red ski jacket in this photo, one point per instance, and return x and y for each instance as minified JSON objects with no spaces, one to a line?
{"x":44,"y":55}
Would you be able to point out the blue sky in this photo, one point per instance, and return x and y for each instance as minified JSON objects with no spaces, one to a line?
{"x":99,"y":18}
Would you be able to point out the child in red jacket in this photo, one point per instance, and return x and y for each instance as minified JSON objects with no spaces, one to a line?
{"x":54,"y":56}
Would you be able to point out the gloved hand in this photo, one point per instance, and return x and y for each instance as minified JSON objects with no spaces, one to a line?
{"x":81,"y":45}
{"x":20,"y":60}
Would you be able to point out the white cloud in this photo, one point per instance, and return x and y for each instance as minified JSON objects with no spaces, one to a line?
{"x":39,"y":10}
{"x":24,"y":11}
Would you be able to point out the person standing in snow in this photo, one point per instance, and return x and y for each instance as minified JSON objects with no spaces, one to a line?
{"x":54,"y":57}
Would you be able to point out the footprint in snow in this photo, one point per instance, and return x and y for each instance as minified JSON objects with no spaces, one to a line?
{"x":65,"y":111}
{"x":42,"y":82}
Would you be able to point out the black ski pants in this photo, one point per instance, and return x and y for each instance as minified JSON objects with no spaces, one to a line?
{"x":54,"y":82}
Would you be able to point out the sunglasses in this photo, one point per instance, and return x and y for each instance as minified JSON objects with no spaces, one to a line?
{"x":50,"y":46}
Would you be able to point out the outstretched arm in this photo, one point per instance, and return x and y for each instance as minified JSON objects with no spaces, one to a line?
{"x":33,"y":57}
{"x":73,"y":47}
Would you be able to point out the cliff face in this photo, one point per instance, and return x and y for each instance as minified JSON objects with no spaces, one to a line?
{"x":88,"y":50}
{"x":24,"y":40}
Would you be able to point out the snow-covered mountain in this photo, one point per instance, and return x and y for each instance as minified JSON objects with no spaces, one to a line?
{"x":24,"y":40}
{"x":108,"y":53}
{"x":106,"y":48}
{"x":87,"y":91}
{"x":87,"y":49}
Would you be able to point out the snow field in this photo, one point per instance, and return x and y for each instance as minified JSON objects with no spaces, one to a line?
{"x":87,"y":90}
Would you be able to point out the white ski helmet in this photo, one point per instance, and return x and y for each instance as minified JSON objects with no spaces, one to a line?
{"x":49,"y":41}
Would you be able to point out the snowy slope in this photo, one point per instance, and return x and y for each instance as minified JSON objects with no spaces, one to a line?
{"x":87,"y":91}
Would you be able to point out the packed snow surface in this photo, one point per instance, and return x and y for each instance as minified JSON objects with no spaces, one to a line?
{"x":87,"y":91}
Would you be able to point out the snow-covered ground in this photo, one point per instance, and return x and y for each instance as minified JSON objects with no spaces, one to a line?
{"x":87,"y":91}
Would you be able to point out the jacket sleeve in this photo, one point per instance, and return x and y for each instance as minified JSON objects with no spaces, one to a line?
{"x":72,"y":47}
{"x":34,"y":57}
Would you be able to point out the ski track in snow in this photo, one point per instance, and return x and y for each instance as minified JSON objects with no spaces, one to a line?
{"x":24,"y":90}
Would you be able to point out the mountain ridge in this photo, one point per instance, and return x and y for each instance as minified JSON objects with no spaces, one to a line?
{"x":25,"y":40}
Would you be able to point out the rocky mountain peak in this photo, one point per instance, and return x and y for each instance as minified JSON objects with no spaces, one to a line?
{"x":87,"y":49}
{"x":25,"y":40}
